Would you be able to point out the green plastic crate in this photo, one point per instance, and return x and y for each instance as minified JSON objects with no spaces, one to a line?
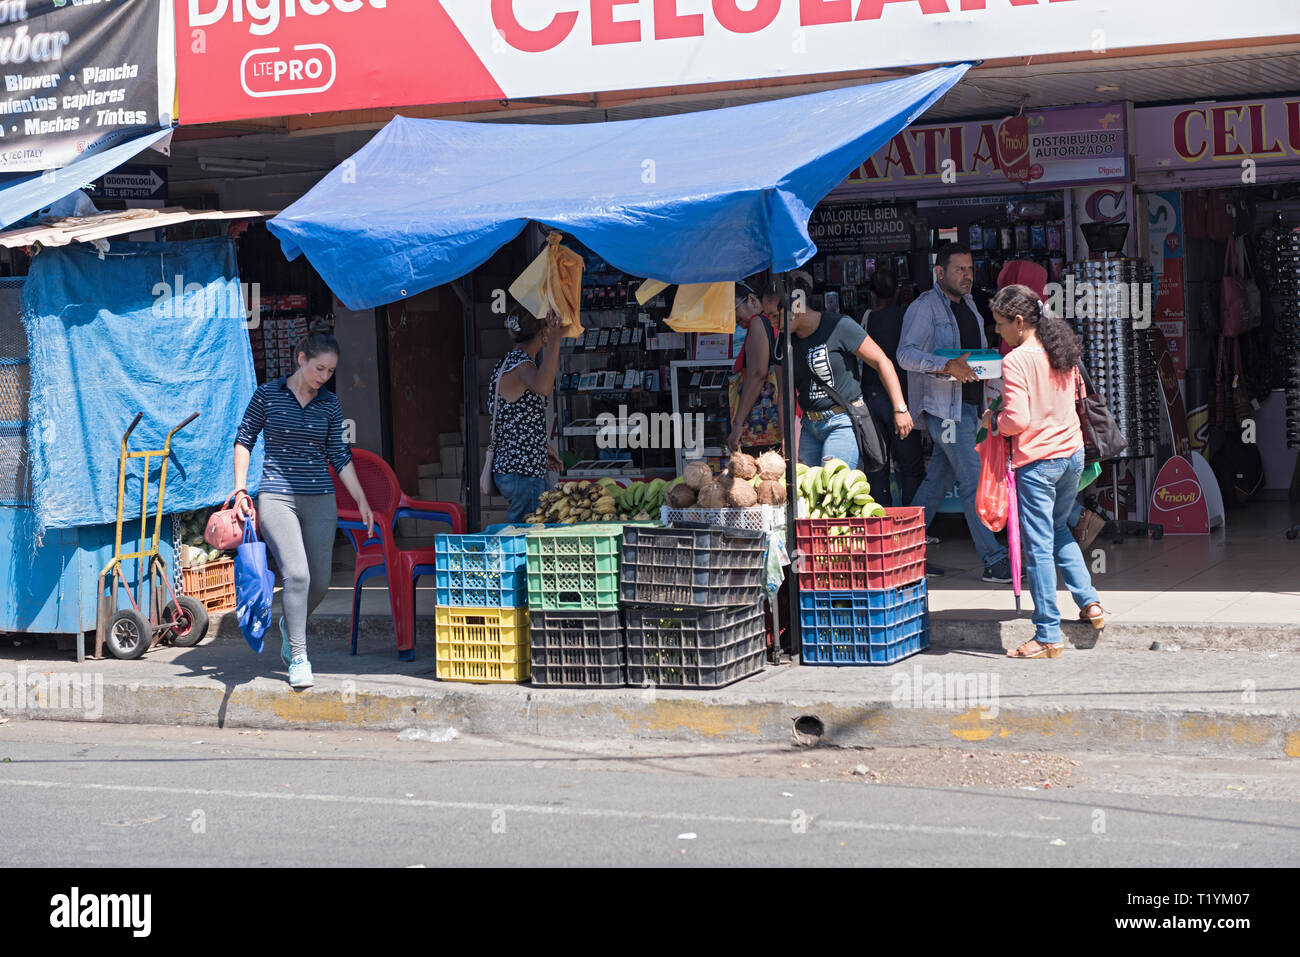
{"x":574,"y":568}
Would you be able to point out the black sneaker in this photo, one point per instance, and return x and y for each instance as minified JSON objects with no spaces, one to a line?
{"x":1000,"y":573}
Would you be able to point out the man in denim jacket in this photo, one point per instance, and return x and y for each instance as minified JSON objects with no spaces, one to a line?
{"x":948,"y":395}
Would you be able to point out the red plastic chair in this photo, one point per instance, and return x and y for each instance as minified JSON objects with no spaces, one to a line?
{"x":380,"y":555}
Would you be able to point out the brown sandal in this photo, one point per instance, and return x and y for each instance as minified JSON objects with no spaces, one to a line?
{"x":1042,"y":651}
{"x":1098,"y":621}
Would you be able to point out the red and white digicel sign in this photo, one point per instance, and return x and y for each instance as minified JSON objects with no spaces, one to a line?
{"x":246,"y":58}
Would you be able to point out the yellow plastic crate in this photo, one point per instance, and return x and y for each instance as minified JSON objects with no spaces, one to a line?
{"x":482,"y":644}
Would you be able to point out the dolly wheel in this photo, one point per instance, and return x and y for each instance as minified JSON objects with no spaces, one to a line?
{"x":128,"y":634}
{"x":188,"y":622}
{"x":1291,"y":533}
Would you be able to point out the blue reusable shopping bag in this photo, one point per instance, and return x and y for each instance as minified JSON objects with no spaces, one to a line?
{"x":254,"y":588}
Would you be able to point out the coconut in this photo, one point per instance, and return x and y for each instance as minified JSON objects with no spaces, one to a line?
{"x":713,"y":495}
{"x":680,"y":496}
{"x":697,"y":474}
{"x":771,"y":465}
{"x":742,"y":495}
{"x":742,"y":466}
{"x":771,"y":493}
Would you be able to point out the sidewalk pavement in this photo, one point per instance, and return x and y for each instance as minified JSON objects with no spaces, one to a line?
{"x":1232,"y":608}
{"x":1210,"y":703}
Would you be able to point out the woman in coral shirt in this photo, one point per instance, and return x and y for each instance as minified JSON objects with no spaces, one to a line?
{"x":1039,"y":385}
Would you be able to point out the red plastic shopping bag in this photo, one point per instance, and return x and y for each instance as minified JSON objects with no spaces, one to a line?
{"x":992,"y":497}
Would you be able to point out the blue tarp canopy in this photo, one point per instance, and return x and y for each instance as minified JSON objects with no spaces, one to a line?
{"x":698,"y":197}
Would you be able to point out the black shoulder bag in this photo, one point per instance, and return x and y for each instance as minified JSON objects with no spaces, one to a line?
{"x":871,"y":446}
{"x":1102,"y":438}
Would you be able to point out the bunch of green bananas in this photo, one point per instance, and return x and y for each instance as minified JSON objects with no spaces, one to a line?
{"x":833,"y":490}
{"x":641,"y":501}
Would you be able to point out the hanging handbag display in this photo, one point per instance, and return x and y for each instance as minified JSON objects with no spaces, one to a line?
{"x":1254,"y":303}
{"x":871,"y":446}
{"x":1102,"y":438}
{"x":1242,"y":407}
{"x":1234,"y":308}
{"x":1220,"y":215}
{"x":224,"y":530}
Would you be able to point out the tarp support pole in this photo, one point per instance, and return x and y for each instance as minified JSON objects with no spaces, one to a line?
{"x":465,"y":291}
{"x":794,"y":641}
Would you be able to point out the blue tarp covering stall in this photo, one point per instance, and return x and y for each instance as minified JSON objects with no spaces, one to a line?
{"x":698,"y":197}
{"x":157,"y":328}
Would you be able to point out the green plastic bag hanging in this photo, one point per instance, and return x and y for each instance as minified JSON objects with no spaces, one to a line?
{"x":1089,"y":475}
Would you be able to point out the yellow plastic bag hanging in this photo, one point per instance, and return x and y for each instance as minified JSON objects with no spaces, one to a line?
{"x":553,"y":282}
{"x":704,"y":307}
{"x":649,"y":289}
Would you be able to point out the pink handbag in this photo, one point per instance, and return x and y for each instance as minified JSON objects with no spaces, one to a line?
{"x":224,"y":530}
{"x":1234,"y":307}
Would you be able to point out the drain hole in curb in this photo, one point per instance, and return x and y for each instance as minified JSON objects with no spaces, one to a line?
{"x":808,"y":730}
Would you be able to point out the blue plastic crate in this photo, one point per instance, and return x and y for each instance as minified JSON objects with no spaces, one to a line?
{"x":481,"y":571}
{"x":874,"y":627}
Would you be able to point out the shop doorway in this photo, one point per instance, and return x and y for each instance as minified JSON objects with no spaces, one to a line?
{"x":426,"y":346}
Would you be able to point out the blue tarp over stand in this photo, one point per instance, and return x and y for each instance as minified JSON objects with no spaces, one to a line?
{"x":157,"y":328}
{"x":699,"y":197}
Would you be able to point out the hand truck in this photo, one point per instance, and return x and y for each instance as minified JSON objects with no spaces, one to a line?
{"x":127,"y":632}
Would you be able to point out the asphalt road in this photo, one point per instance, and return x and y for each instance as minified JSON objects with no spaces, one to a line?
{"x":84,"y":795}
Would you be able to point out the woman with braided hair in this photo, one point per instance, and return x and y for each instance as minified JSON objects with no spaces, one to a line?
{"x":1040,"y":381}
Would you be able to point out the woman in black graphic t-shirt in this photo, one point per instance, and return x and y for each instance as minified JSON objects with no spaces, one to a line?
{"x":830,"y":344}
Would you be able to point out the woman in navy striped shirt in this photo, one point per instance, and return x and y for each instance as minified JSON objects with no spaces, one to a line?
{"x":302,"y":424}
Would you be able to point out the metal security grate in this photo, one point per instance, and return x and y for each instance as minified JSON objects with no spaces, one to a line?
{"x":15,"y":387}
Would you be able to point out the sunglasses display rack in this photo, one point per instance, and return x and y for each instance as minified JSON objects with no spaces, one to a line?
{"x":1121,"y":361}
{"x":1286,"y":301}
{"x":1119,"y":357}
{"x":1285,"y":296}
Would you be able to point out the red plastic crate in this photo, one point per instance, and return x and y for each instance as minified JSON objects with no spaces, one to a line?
{"x":862,"y":553}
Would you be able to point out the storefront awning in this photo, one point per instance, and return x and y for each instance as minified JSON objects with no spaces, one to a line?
{"x":28,"y":192}
{"x":89,"y":229}
{"x":698,"y":197}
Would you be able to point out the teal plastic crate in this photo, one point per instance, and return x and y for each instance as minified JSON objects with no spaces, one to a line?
{"x":573,"y":568}
{"x":480,"y":571}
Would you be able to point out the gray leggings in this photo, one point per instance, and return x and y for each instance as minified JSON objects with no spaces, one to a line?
{"x":299,"y":531}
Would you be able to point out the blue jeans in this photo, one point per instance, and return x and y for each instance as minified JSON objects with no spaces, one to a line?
{"x":1046,"y":491}
{"x":958,"y":461}
{"x":831,"y":438}
{"x":523,"y":492}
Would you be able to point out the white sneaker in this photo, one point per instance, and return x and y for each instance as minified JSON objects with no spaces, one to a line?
{"x":300,"y":673}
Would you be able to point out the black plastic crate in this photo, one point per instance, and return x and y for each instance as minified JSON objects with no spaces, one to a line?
{"x":694,"y":647}
{"x":692,"y":567}
{"x":577,"y":649}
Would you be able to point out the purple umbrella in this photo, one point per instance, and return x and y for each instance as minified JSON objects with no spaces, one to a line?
{"x":1013,"y":532}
